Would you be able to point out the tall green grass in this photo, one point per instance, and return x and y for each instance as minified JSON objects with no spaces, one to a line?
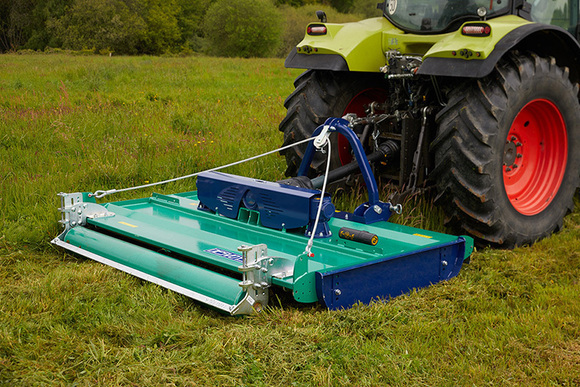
{"x":87,"y":123}
{"x":72,"y":123}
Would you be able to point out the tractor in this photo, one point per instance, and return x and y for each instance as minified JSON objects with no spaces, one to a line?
{"x":479,"y":96}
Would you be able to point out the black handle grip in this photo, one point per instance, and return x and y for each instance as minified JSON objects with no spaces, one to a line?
{"x":358,"y":236}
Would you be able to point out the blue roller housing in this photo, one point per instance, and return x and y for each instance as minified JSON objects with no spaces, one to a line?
{"x":280,"y":206}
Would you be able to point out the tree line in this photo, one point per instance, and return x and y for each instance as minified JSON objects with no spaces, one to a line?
{"x":245,"y":28}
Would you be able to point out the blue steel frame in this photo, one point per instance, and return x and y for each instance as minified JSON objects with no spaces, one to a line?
{"x":372,"y":211}
{"x":346,"y":287}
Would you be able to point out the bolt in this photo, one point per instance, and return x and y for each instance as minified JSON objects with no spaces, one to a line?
{"x":514,"y":138}
{"x":515,"y":166}
{"x":444,"y":263}
{"x":377,"y":209}
{"x":519,"y":156}
{"x":519,"y":144}
{"x":508,"y":169}
{"x":337,"y":292}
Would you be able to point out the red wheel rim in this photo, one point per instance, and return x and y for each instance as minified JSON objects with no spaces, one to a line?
{"x":357,"y":106}
{"x":535,"y":157}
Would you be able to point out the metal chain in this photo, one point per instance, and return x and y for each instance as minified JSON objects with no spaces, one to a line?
{"x":100,"y":193}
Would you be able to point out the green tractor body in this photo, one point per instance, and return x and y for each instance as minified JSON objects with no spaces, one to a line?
{"x":482,"y":97}
{"x":362,"y":46}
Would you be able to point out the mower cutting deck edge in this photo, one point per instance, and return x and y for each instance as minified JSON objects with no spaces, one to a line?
{"x":198,"y":243}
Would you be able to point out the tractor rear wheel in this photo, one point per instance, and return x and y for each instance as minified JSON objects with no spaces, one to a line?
{"x":321,"y":94}
{"x":507,"y":152}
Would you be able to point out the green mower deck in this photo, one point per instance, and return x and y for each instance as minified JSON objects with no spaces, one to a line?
{"x":167,"y":240}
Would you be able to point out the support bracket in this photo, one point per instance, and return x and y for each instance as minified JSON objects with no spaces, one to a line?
{"x":76,"y":208}
{"x":257,"y":270}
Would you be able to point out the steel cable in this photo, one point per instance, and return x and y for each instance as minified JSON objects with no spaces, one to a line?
{"x":100,"y":193}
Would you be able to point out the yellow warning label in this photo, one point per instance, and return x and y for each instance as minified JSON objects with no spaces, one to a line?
{"x":423,"y":236}
{"x":128,"y":224}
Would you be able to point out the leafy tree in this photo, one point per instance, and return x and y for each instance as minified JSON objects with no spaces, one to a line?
{"x":244,"y":28}
{"x":101,"y":25}
{"x":366,"y":8}
{"x":15,"y":23}
{"x":190,"y":22}
{"x":43,"y":11}
{"x":296,"y":3}
{"x":343,"y":6}
{"x":162,"y":30}
{"x":4,"y":25}
{"x":23,"y":22}
{"x":230,"y":28}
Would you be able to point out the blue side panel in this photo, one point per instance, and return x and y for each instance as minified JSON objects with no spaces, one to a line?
{"x":389,"y":277}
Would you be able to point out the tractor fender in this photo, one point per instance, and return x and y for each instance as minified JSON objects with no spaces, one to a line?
{"x":543,"y":39}
{"x":343,"y":47}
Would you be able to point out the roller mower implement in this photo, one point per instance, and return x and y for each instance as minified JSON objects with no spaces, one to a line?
{"x":227,"y":243}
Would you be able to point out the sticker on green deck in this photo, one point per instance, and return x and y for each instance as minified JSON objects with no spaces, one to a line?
{"x":226,"y":254}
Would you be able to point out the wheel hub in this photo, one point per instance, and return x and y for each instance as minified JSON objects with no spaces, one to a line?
{"x":510,"y":154}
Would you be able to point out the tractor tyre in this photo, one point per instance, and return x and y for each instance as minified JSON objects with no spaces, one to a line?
{"x":507,"y":152}
{"x":319,"y":95}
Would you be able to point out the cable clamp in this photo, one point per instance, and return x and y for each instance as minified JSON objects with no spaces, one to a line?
{"x":321,"y":139}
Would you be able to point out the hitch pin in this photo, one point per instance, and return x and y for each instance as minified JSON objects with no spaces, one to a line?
{"x":320,"y":140}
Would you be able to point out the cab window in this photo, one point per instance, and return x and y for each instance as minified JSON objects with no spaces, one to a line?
{"x":561,"y":13}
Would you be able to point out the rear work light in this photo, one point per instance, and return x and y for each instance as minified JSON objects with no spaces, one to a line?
{"x":476,"y":30}
{"x":316,"y":29}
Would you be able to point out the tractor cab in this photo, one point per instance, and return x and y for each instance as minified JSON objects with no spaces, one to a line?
{"x":432,"y":17}
{"x":439,"y":16}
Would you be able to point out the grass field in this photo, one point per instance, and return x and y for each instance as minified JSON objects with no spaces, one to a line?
{"x":86,"y":123}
